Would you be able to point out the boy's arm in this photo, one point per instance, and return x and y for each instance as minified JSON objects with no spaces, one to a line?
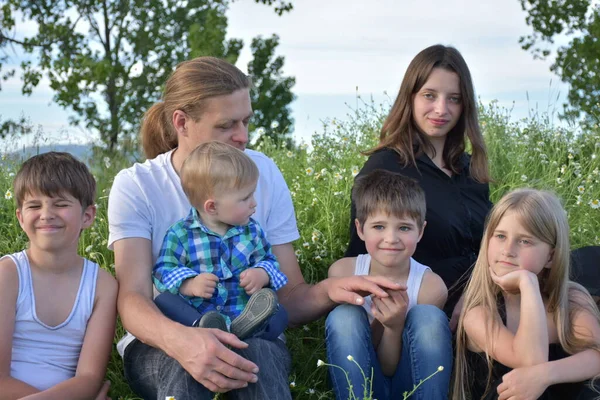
{"x":96,"y":348}
{"x":9,"y":287}
{"x":170,"y":270}
{"x":433,"y":290}
{"x":391,"y":313}
{"x":529,"y":345}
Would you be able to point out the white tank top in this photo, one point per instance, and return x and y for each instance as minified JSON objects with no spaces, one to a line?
{"x":43,"y":356}
{"x":413,"y":284}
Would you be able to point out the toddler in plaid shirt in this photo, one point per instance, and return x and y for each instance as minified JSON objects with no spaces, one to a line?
{"x":215,"y":264}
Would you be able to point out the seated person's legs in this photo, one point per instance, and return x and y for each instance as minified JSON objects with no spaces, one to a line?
{"x":426,"y":345}
{"x":274,"y":362}
{"x":262,"y":317}
{"x":348,"y":333}
{"x":152,"y":374}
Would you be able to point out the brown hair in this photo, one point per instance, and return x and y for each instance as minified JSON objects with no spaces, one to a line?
{"x":400,"y":133}
{"x":390,"y":192}
{"x":215,"y":167}
{"x":53,"y":174}
{"x":191,"y":84}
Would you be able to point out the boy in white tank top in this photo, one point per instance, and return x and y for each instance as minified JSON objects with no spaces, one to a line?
{"x":390,"y":211}
{"x":58,"y":309}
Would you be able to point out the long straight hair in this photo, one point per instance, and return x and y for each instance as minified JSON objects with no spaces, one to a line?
{"x":400,"y":132}
{"x":541,"y":213}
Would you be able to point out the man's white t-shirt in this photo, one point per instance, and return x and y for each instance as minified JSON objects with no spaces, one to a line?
{"x":146,"y":199}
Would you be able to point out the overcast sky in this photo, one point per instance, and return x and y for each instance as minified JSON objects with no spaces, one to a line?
{"x":334,"y":46}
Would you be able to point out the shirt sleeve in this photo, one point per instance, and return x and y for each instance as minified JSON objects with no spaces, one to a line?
{"x":128,"y":211}
{"x":266,"y":260}
{"x":281,"y":224}
{"x":171,"y":266}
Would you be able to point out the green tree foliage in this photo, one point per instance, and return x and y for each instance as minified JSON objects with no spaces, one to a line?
{"x":107,"y":60}
{"x":578,"y":62}
{"x":272,"y":92}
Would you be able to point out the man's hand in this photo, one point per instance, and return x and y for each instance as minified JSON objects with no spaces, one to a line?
{"x":203,"y":354}
{"x":391,"y":311}
{"x":254,"y":279}
{"x":352,"y":289}
{"x":202,"y":285}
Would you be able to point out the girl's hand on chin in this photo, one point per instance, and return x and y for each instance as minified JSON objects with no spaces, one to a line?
{"x":511,"y":282}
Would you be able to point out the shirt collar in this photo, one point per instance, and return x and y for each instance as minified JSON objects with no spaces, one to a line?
{"x":194,"y":221}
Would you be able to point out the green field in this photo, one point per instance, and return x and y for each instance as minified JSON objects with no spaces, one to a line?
{"x":531,"y":153}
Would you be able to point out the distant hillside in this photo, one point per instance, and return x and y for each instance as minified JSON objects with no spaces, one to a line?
{"x":81,"y":151}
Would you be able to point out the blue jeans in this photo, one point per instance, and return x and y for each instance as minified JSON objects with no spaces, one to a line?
{"x":152,"y":374}
{"x":426,"y":345}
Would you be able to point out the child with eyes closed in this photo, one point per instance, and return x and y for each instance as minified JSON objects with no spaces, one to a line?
{"x":526,"y":331}
{"x":390,"y":218}
{"x":58,"y":309}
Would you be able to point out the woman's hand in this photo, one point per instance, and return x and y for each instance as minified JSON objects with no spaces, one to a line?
{"x":527,"y":383}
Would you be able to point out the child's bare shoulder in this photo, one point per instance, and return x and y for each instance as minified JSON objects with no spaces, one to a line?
{"x":106,"y":285}
{"x":8,"y":270}
{"x":342,"y":267}
{"x":433,"y":290}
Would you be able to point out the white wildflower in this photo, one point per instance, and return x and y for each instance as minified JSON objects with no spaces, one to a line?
{"x":274,"y":125}
{"x":8,"y":195}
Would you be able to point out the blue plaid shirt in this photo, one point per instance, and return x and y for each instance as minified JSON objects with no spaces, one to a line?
{"x":190,"y":248}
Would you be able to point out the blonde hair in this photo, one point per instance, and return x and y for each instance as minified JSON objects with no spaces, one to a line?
{"x":190,"y":86}
{"x":542,"y":214}
{"x":213,"y":168}
{"x":401,"y":134}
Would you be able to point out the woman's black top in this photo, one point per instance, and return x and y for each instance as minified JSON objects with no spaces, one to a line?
{"x":456,"y":210}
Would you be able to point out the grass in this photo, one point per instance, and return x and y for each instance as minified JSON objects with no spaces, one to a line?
{"x":529,"y":152}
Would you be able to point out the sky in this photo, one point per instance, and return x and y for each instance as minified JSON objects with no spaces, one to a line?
{"x":338,"y":48}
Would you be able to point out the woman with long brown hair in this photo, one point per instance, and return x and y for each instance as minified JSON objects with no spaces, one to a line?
{"x":425,"y":137}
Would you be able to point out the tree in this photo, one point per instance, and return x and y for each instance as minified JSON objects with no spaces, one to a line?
{"x":108,"y":59}
{"x":578,"y":62}
{"x":271,"y":95}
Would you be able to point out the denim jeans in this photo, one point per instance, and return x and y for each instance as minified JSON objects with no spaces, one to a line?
{"x":152,"y":374}
{"x":426,"y":345}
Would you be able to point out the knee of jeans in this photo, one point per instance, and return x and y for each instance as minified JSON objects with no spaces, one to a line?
{"x":343,"y":317}
{"x":427,"y":322}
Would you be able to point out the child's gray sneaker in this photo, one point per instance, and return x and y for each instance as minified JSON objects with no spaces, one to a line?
{"x":213,"y":319}
{"x":260,"y":307}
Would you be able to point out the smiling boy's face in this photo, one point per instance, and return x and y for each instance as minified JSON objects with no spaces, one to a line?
{"x":54,"y":223}
{"x":390,"y":240}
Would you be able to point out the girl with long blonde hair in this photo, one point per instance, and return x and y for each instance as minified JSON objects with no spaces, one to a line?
{"x":526,"y":331}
